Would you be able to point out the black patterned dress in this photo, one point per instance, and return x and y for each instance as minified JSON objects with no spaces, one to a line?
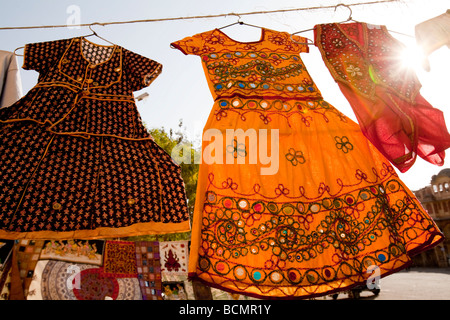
{"x":75,"y":158}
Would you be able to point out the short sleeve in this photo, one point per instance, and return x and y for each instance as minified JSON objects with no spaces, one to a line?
{"x":140,"y":70}
{"x":301,"y":42}
{"x":41,"y":55}
{"x":190,"y":45}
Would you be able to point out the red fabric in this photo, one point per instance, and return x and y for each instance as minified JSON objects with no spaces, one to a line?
{"x":366,"y":63}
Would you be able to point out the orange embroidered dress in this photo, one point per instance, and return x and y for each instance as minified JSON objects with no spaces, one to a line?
{"x":309,"y":204}
{"x":75,"y":158}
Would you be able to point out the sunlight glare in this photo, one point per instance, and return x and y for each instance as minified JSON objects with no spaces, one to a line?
{"x":412,"y":57}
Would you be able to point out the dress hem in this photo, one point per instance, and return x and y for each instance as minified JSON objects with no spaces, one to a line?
{"x":148,"y":228}
{"x":431,"y":242}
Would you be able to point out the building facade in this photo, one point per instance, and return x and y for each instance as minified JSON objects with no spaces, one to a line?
{"x":435,"y":198}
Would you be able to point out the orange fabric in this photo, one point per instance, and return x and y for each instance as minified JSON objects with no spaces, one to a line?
{"x":310,"y":215}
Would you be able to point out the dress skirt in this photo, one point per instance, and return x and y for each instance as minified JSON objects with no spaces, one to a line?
{"x":59,"y":186}
{"x":326,"y":212}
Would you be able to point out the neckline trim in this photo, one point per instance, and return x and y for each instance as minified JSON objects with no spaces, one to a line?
{"x":96,"y":45}
{"x":261,"y":39}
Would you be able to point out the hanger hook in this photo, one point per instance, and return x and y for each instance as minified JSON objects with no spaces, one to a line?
{"x":92,"y":24}
{"x":346,"y":6}
{"x":239,"y":18}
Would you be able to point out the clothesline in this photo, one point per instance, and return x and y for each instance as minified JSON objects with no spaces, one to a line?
{"x":199,"y":17}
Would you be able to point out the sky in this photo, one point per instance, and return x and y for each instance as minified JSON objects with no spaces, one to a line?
{"x":181,"y":91}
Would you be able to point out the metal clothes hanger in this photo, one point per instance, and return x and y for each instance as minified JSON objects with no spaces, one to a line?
{"x":19,"y":55}
{"x":350,"y":18}
{"x":94,"y":33}
{"x":240,"y":22}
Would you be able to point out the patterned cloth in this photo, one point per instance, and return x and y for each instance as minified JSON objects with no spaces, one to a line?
{"x":366,"y":62}
{"x":174,"y":258}
{"x":120,"y":259}
{"x":149,"y":269}
{"x":315,"y":205}
{"x":80,"y":251}
{"x":75,"y":158}
{"x":59,"y":280}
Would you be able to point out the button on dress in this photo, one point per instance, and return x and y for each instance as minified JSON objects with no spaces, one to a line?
{"x":75,"y":158}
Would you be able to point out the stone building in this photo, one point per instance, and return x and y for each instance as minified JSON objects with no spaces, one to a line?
{"x":435,"y":198}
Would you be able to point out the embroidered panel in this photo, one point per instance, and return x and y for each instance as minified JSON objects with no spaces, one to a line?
{"x":309,"y":245}
{"x":174,"y":258}
{"x":149,"y":269}
{"x":120,"y":259}
{"x":364,"y":57}
{"x":269,"y":67}
{"x":79,"y":251}
{"x":267,"y":109}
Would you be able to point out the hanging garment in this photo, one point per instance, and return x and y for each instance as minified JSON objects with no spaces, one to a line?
{"x":75,"y":158}
{"x":433,"y":34}
{"x":366,"y":63}
{"x":292,"y":200}
{"x":10,"y":81}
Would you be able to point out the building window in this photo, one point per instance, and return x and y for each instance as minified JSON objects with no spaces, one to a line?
{"x":446,"y":186}
{"x":435,"y":188}
{"x":441,"y":188}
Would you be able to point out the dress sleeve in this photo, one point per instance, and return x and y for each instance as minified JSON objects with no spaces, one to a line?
{"x":142,"y":71}
{"x":41,"y":55}
{"x":301,"y":42}
{"x":190,"y":45}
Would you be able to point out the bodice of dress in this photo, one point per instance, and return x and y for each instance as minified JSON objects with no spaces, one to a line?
{"x":270,"y":67}
{"x":84,"y":88}
{"x":364,"y":56}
